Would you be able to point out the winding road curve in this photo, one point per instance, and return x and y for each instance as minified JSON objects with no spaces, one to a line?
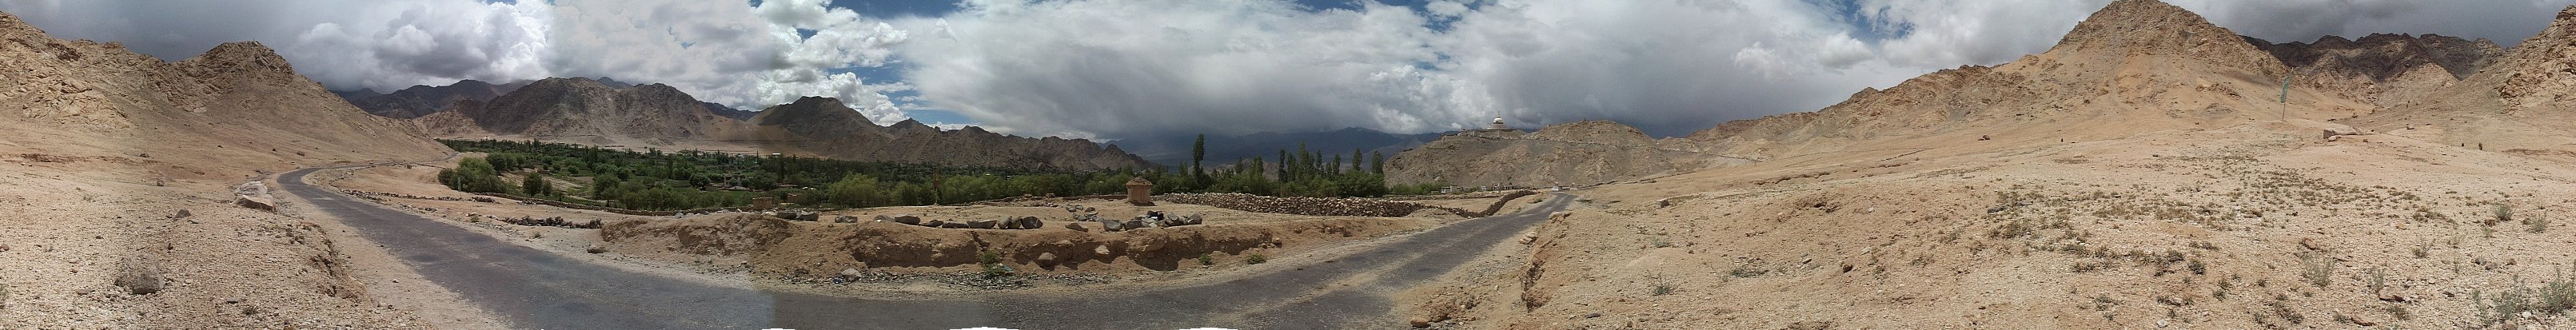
{"x":540,"y":289}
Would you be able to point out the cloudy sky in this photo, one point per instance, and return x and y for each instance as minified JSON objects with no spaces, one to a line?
{"x":1116,"y":69}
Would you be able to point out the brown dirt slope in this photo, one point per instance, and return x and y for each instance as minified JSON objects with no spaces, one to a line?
{"x":2134,"y":67}
{"x":2519,"y":104}
{"x":823,"y":126}
{"x":2137,"y":176}
{"x":105,"y":147}
{"x":2384,"y":69}
{"x":1577,"y":153}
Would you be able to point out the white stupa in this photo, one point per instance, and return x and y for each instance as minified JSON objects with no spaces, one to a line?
{"x":1498,"y":124}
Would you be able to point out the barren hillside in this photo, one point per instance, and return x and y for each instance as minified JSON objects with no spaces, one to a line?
{"x":2383,"y":69}
{"x":580,"y":110}
{"x":823,"y":126}
{"x":118,"y":167}
{"x":2138,"y":175}
{"x":2517,"y":105}
{"x":1578,"y":153}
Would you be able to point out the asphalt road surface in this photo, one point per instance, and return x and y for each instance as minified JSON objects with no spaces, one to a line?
{"x":539,"y":289}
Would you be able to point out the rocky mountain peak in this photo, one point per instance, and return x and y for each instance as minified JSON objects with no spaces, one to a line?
{"x":13,"y":28}
{"x":908,"y":123}
{"x":249,"y":55}
{"x":2382,"y":57}
{"x":2535,"y":73}
{"x":2149,"y":27}
{"x":812,"y":110}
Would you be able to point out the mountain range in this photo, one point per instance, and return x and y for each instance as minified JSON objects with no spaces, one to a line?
{"x":611,"y":113}
{"x":1225,"y":149}
{"x":2131,"y":68}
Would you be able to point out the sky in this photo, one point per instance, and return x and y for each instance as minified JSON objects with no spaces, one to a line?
{"x":1121,"y":69}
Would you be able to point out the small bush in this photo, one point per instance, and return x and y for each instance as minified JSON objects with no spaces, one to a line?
{"x":2378,"y":280}
{"x":1207,"y":259}
{"x":1747,"y":270}
{"x":2280,"y":305}
{"x":2319,"y":269}
{"x":992,"y":261}
{"x":1255,"y":259}
{"x":2559,"y":295}
{"x":2089,"y":266}
{"x":2504,"y":305}
{"x":989,"y":257}
{"x":2014,"y":229}
{"x":2502,"y":214}
{"x":139,"y":278}
{"x":2536,"y":224}
{"x":1663,"y":289}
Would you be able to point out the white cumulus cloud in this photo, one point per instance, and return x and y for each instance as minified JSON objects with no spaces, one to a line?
{"x":1160,"y":68}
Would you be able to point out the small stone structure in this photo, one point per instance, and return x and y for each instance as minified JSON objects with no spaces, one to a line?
{"x":1140,"y":192}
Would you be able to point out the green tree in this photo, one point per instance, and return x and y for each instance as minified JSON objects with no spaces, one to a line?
{"x":602,"y":186}
{"x":858,"y":190}
{"x":536,"y":185}
{"x":1377,"y":163}
{"x":1356,"y":156}
{"x":474,"y":175}
{"x":1198,"y":153}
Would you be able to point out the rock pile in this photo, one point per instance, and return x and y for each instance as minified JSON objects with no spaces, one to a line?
{"x":798,"y":215}
{"x":1342,"y":207}
{"x":1011,"y":223}
{"x":1147,"y":220}
{"x":552,"y":222}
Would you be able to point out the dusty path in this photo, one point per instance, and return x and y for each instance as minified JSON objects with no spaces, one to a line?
{"x":539,"y":289}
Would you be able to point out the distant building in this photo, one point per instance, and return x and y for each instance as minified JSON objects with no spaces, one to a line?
{"x":1498,"y":124}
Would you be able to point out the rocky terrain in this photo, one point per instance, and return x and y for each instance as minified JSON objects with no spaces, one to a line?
{"x":580,"y":109}
{"x":824,"y":127}
{"x":1577,"y":153}
{"x":585,"y":111}
{"x":117,"y":174}
{"x":2141,"y":174}
{"x":2515,"y":105}
{"x":2383,"y":69}
{"x":422,"y":100}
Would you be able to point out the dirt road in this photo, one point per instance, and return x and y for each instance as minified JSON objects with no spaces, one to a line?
{"x":539,"y":289}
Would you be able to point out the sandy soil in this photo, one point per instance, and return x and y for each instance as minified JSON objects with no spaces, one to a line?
{"x":81,"y":226}
{"x":2256,"y":225}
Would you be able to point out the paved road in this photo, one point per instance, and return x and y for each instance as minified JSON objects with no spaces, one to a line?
{"x":539,"y":289}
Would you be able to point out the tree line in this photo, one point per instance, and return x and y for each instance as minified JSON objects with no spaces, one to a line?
{"x":656,"y":180}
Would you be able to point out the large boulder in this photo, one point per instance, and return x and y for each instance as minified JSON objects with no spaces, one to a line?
{"x":255,"y":202}
{"x":1027,"y":222}
{"x":907,"y":219}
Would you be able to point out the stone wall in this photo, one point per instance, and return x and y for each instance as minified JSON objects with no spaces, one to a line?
{"x":1345,"y":207}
